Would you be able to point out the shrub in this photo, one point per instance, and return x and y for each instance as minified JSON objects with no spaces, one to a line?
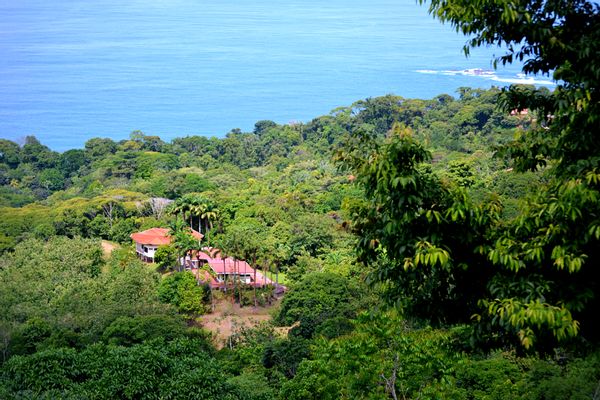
{"x":126,"y":331}
{"x":182,"y":290}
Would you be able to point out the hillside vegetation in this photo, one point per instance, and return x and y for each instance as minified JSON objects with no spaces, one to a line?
{"x":280,"y":188}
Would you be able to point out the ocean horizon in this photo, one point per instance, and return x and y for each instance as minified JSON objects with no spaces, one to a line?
{"x":70,"y":71}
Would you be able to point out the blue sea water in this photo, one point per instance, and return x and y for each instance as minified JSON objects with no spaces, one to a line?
{"x":71,"y":70}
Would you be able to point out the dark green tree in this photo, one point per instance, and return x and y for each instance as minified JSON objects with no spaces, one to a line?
{"x":552,"y":249}
{"x":71,"y":161}
{"x":419,"y":234}
{"x":182,"y":290}
{"x":35,"y":153}
{"x":534,"y":279}
{"x":97,"y":148}
{"x":165,"y":257}
{"x":9,"y":153}
{"x":180,"y":369}
{"x":320,"y":302}
{"x":251,"y":238}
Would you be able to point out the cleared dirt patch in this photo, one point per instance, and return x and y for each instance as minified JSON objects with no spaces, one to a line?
{"x":228,"y":319}
{"x":108,"y":247}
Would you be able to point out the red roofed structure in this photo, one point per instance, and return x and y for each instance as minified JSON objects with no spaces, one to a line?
{"x":146,"y":242}
{"x":206,"y":277}
{"x":223,"y":270}
{"x":226,"y":269}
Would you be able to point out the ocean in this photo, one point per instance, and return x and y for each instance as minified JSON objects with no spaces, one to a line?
{"x":71,"y":70}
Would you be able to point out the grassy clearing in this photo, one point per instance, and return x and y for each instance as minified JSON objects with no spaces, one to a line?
{"x":282,"y":278}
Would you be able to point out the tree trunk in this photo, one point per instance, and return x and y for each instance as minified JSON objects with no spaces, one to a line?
{"x":254,"y":264}
{"x":108,"y":209}
{"x":390,"y":383}
{"x":239,"y":286}
{"x":265,"y":273}
{"x":231,"y":277}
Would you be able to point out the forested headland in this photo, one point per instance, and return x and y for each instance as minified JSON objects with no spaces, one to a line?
{"x":439,"y":248}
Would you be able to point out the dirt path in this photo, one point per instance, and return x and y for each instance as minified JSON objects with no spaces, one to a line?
{"x":108,"y":247}
{"x":228,"y":319}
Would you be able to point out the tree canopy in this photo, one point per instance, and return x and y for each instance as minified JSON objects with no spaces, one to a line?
{"x":533,"y":277}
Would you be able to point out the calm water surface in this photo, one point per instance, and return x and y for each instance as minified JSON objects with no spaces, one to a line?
{"x":71,"y":70}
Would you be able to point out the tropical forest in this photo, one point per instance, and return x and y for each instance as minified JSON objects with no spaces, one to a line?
{"x":395,"y":248}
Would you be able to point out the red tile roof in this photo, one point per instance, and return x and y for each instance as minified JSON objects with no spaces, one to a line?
{"x":226,"y":266}
{"x":222,"y":266}
{"x":158,"y":236}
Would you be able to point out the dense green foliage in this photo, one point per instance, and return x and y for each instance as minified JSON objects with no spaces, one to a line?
{"x":291,"y":212}
{"x":181,"y":290}
{"x":322,"y":304}
{"x":445,"y":254}
{"x":552,"y":247}
{"x":420,"y":232}
{"x":59,"y":293}
{"x":174,"y":370}
{"x":385,"y":356}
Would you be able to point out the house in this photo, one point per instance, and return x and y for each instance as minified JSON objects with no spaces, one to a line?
{"x":225,"y":270}
{"x":208,"y":265}
{"x":146,"y":242}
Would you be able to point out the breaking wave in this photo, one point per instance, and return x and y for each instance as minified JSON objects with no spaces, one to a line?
{"x":490,"y":75}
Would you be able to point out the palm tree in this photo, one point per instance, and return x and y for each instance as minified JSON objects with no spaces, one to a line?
{"x":189,"y":206}
{"x":202,"y":208}
{"x":197,"y":206}
{"x":250,"y":239}
{"x":237,"y":256}
{"x":197,"y":209}
{"x":182,"y":240}
{"x":209,"y":214}
{"x":227,"y":247}
{"x":179,"y":207}
{"x":193,"y":204}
